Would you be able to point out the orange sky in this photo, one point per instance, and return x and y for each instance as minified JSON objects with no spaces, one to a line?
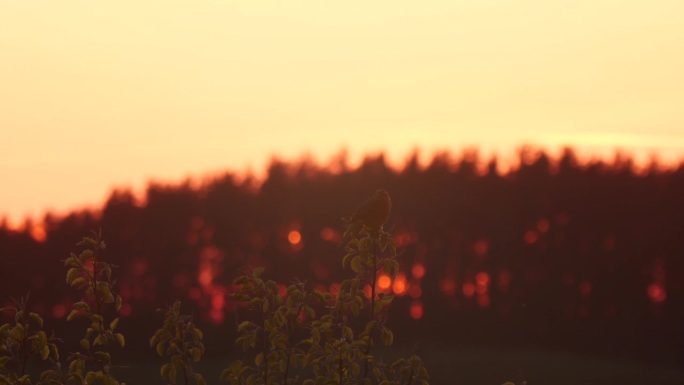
{"x":95,"y":95}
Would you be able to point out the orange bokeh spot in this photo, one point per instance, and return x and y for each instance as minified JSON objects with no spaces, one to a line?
{"x":468,"y":289}
{"x":205,"y":276}
{"x":327,"y":233}
{"x":418,"y":270}
{"x":530,"y":237}
{"x":448,"y":286}
{"x":656,"y":292}
{"x":399,"y":286}
{"x":543,"y":225}
{"x":384,"y":282}
{"x":218,"y":301}
{"x":38,"y":232}
{"x":58,"y":311}
{"x":367,"y":291}
{"x":482,"y":278}
{"x":416,"y":310}
{"x":294,"y":237}
{"x":125,"y":310}
{"x":481,"y":247}
{"x":216,"y":316}
{"x":334,"y":289}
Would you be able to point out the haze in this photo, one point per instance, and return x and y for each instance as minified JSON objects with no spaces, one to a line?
{"x":96,"y":95}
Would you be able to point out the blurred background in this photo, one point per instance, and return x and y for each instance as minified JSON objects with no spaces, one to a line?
{"x":533,"y":152}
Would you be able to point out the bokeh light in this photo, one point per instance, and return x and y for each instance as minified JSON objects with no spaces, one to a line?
{"x":294,"y":237}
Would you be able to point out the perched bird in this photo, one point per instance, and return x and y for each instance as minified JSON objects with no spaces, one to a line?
{"x":372,"y":214}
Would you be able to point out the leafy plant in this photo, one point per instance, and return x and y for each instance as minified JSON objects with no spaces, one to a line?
{"x":181,"y":341}
{"x":90,"y":275}
{"x":23,"y":340}
{"x":330,"y":350}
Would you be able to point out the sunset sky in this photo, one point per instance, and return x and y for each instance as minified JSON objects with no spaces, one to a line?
{"x":103,"y":94}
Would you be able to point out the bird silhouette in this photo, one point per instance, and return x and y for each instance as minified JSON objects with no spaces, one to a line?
{"x":372,"y":214}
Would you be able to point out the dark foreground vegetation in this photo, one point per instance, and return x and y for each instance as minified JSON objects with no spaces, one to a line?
{"x":558,"y":255}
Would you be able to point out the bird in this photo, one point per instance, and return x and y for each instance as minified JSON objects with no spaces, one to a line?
{"x":372,"y":214}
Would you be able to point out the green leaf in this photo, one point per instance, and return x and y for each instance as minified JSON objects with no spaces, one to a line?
{"x":387,"y":337}
{"x":199,"y":379}
{"x":44,"y":352}
{"x":356,"y":264}
{"x":77,"y":282}
{"x":160,"y":349}
{"x":37,"y":319}
{"x":85,"y":344}
{"x":103,"y":357}
{"x":165,"y":371}
{"x":17,"y":332}
{"x":346,"y":259}
{"x":259,"y":359}
{"x":82,"y":306}
{"x":256,"y":273}
{"x":120,"y":339}
{"x":244,"y":325}
{"x":113,"y":324}
{"x":196,"y":355}
{"x":71,"y":274}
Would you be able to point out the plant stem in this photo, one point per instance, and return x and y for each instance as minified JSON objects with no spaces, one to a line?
{"x":24,"y":343}
{"x":94,"y":280}
{"x":372,"y":306}
{"x":264,"y":347}
{"x":291,"y":334}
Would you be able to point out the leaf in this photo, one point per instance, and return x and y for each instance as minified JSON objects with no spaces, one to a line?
{"x":199,"y":379}
{"x":346,"y":259}
{"x":356,"y":264}
{"x":103,"y":357}
{"x":165,"y":371}
{"x":256,"y":273}
{"x":44,"y":352}
{"x":37,"y":319}
{"x":244,"y":325}
{"x":259,"y":359}
{"x":113,"y":324}
{"x":85,"y":344}
{"x":120,"y":339}
{"x":387,"y":337}
{"x":17,"y":332}
{"x":118,"y":302}
{"x":198,"y":333}
{"x":160,"y":349}
{"x":196,"y":355}
{"x":71,"y":274}
{"x":78,"y":282}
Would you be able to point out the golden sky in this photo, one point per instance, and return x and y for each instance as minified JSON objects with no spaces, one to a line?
{"x":99,"y":94}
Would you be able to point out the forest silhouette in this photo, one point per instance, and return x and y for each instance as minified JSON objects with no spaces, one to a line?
{"x":554,"y":253}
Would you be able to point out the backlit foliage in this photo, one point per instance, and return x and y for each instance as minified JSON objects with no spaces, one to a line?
{"x":91,"y":276}
{"x":310,"y":337}
{"x":24,"y":340}
{"x":181,"y":341}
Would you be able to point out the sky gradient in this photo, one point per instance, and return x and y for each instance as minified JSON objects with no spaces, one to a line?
{"x":96,"y":95}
